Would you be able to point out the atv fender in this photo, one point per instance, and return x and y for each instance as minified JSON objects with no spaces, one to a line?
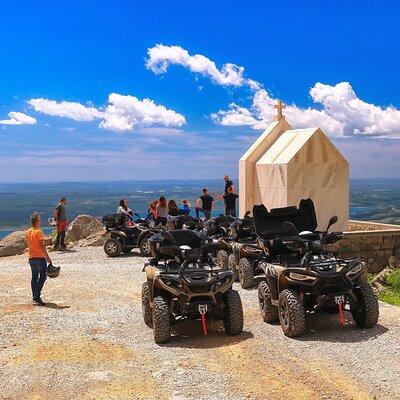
{"x":117,"y":234}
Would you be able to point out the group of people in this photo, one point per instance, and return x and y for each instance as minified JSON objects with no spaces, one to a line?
{"x":161,"y":209}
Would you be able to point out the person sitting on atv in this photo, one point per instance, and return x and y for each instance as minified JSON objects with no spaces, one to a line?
{"x":125,"y":210}
{"x":162,"y":211}
{"x":184,"y":208}
{"x":173,"y":209}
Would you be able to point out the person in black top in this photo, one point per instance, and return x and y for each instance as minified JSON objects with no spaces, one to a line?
{"x":228,"y":183}
{"x":207,"y":203}
{"x":229,"y":200}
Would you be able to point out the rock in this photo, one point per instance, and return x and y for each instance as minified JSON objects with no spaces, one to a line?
{"x":82,"y":227}
{"x":13,"y":244}
{"x":96,"y":239}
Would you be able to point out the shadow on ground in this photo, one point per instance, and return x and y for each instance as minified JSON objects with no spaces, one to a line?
{"x":325,"y":327}
{"x":189,"y":334}
{"x":55,"y":306}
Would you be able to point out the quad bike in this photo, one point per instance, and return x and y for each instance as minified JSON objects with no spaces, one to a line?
{"x":184,"y":283}
{"x":123,"y":238}
{"x":302,"y":276}
{"x":242,"y":251}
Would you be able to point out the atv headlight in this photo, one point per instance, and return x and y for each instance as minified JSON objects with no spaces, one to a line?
{"x":301,"y":277}
{"x":354,"y":271}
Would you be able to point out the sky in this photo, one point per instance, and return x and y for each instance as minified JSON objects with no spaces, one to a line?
{"x":95,"y":90}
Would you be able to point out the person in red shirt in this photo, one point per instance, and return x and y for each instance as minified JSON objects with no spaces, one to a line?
{"x":38,"y":258}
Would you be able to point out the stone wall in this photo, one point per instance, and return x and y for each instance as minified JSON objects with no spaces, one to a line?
{"x":373,"y":246}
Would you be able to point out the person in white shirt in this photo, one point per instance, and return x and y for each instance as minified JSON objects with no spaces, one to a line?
{"x":123,"y":208}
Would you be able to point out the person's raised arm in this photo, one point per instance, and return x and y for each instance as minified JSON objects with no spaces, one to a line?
{"x":218,"y":196}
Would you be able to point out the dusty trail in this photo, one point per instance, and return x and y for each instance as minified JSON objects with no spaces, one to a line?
{"x":91,"y":343}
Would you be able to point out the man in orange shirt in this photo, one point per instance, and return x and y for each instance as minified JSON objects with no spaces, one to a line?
{"x":38,"y":258}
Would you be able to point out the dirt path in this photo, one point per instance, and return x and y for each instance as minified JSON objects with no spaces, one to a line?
{"x":91,"y":343}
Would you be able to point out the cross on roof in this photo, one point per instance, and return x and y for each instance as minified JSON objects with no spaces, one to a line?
{"x":279,"y":107}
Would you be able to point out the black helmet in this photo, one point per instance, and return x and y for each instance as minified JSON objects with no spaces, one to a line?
{"x":52,"y":271}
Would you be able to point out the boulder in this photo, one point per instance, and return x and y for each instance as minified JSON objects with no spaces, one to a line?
{"x":13,"y":244}
{"x":96,"y":239}
{"x":82,"y":227}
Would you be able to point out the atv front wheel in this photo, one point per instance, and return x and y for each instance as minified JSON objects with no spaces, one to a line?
{"x":233,"y":322}
{"x":232,"y":266}
{"x":246,"y":273}
{"x":161,"y":320}
{"x":146,"y":307}
{"x":144,"y":247}
{"x":291,"y":313}
{"x":269,"y":312}
{"x":222,"y":259}
{"x":113,"y":247}
{"x":367,"y":314}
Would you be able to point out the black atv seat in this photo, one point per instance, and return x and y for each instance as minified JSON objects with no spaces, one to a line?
{"x":186,"y":237}
{"x":268,"y":225}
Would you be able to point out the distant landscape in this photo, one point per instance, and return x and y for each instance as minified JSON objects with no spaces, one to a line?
{"x":370,"y":199}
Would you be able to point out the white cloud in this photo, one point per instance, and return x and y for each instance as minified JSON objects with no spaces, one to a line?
{"x":18,"y":118}
{"x":342,"y":113}
{"x":126,"y":112}
{"x":67,"y":109}
{"x":160,"y":57}
{"x":123,"y":113}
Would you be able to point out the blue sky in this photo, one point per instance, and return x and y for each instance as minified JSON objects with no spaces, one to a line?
{"x":74,"y":78}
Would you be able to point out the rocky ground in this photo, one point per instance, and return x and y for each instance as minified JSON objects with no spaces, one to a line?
{"x":90,"y":343}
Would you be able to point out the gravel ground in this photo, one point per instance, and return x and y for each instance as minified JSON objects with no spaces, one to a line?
{"x":90,"y":342}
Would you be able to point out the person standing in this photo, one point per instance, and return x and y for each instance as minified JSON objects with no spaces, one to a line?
{"x":60,"y":216}
{"x":162,"y":211}
{"x":207,"y":203}
{"x":38,"y":258}
{"x":198,"y":207}
{"x":229,"y":200}
{"x":228,"y":183}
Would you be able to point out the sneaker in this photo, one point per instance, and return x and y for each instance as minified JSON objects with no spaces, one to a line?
{"x":38,"y":302}
{"x":62,"y":248}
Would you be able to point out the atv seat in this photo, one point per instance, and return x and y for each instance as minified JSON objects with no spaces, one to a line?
{"x":269,"y":225}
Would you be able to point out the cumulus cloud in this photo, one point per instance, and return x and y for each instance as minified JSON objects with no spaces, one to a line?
{"x":18,"y":118}
{"x":125,"y":112}
{"x":67,"y":109}
{"x":160,"y":57}
{"x":122,"y":113}
{"x":342,"y":113}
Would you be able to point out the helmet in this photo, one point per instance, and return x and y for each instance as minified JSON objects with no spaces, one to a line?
{"x":52,"y":271}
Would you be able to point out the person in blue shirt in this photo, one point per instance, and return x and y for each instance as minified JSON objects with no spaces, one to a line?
{"x":184,"y":208}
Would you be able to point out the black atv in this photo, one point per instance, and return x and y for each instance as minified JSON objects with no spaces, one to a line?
{"x":242,"y":251}
{"x":123,"y":238}
{"x":218,"y":228}
{"x":302,"y":276}
{"x":183,"y":283}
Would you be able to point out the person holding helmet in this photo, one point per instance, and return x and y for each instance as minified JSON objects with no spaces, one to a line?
{"x":38,"y":258}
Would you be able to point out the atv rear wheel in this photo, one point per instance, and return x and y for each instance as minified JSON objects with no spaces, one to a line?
{"x":291,"y":313}
{"x":367,"y":315}
{"x":161,"y":320}
{"x":222,"y":259}
{"x":232,"y":266}
{"x":233,"y":322}
{"x":146,"y":307}
{"x":246,"y":273}
{"x":113,"y":247}
{"x":269,"y":312}
{"x":144,"y":247}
